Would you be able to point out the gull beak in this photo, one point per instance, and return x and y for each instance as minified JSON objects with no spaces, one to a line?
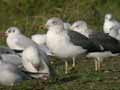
{"x":42,"y":27}
{"x":46,"y":26}
{"x":3,"y":34}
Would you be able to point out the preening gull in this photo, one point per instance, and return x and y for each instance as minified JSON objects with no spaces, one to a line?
{"x":109,"y":46}
{"x":109,"y":22}
{"x":10,"y":74}
{"x":36,"y":62}
{"x":66,"y":43}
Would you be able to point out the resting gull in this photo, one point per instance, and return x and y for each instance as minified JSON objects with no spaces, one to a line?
{"x":10,"y":74}
{"x":109,"y":45}
{"x":109,"y":22}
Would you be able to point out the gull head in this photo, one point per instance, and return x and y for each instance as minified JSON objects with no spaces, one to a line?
{"x":12,"y":31}
{"x":108,"y":16}
{"x":55,"y":23}
{"x":79,"y":26}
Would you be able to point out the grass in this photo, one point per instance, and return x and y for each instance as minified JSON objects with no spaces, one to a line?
{"x":29,"y":15}
{"x":83,"y":77}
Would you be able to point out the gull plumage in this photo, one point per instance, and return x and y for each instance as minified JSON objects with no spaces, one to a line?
{"x":36,"y":62}
{"x":109,"y":22}
{"x":66,"y":43}
{"x":10,"y":74}
{"x":17,"y":41}
{"x":108,"y":45}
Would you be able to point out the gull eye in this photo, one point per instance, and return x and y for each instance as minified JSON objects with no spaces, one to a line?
{"x":77,"y":26}
{"x":54,"y":22}
{"x":13,"y":30}
{"x":9,"y":31}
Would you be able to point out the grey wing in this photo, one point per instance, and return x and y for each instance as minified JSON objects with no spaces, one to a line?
{"x":12,"y":58}
{"x":46,"y":50}
{"x":24,"y":42}
{"x":6,"y":50}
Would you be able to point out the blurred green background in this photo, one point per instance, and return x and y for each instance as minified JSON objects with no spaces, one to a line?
{"x":29,"y":15}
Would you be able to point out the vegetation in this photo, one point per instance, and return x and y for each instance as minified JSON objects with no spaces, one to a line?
{"x":30,"y":15}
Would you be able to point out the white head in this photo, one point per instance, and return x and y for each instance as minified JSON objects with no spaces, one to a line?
{"x":79,"y":26}
{"x":12,"y":31}
{"x":108,"y":16}
{"x":55,"y":23}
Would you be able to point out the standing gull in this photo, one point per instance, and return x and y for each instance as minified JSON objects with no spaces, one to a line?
{"x":109,"y":46}
{"x":66,"y":43}
{"x":40,"y":39}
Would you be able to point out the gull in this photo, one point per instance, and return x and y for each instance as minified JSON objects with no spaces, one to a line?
{"x":66,"y":43}
{"x":36,"y":62}
{"x":10,"y":56}
{"x":115,"y":32}
{"x":17,"y":41}
{"x":40,"y":39}
{"x":10,"y":74}
{"x":109,"y":22}
{"x":80,"y":26}
{"x":109,"y":45}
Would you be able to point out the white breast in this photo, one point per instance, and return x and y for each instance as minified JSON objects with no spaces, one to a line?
{"x":60,"y":45}
{"x":108,"y":25}
{"x":11,"y":42}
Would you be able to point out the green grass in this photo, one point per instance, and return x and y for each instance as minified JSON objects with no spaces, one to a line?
{"x":29,"y":15}
{"x":83,"y":77}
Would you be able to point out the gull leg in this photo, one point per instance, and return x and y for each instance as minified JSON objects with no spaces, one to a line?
{"x":73,"y":64}
{"x":66,"y":67}
{"x":99,"y":64}
{"x":96,"y":65}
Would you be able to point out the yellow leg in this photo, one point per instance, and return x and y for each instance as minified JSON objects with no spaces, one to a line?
{"x":73,"y":64}
{"x":66,"y":67}
{"x":96,"y":65}
{"x":99,"y":63}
